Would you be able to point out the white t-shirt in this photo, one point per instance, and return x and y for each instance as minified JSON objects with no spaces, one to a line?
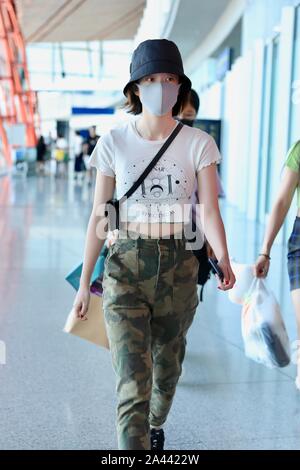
{"x":78,"y":140}
{"x":61,"y":143}
{"x":166,"y":193}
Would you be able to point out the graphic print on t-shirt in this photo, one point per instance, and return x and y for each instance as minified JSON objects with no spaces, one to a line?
{"x":165,"y":186}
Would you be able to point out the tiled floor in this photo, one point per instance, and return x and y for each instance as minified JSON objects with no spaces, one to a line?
{"x":57,"y":391}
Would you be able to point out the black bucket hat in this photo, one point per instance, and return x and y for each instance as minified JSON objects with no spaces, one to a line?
{"x":156,"y":56}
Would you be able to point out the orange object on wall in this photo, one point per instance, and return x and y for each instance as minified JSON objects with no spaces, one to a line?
{"x":17,"y":100}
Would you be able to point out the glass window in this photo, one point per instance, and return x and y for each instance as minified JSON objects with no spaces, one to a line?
{"x":39,"y":58}
{"x":295,"y":105}
{"x":95,"y":59}
{"x":272,"y":123}
{"x":75,"y":62}
{"x":263,"y":137}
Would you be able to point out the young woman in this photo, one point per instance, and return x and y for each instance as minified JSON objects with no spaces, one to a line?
{"x":289,"y":183}
{"x":150,"y":292}
{"x":190,"y":110}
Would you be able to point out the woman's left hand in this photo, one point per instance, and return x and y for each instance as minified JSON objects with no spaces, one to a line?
{"x":229,"y":277}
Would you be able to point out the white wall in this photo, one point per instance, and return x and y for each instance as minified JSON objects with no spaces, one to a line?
{"x":222,"y":28}
{"x":261,"y":19}
{"x":236,"y":132}
{"x":245,"y":110}
{"x":211,"y":102}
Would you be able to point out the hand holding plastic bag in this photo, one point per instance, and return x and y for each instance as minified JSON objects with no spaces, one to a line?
{"x":263,"y":330}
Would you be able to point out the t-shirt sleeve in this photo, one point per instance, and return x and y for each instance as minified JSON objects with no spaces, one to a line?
{"x":102,"y":156}
{"x":207,"y":153}
{"x":293,"y":157}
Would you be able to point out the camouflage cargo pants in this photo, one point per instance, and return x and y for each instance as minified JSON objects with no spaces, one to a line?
{"x":150,"y":298}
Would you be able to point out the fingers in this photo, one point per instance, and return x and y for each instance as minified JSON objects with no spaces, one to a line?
{"x":228,"y":281}
{"x":226,"y":284}
{"x":262,"y":273}
{"x":260,"y":270}
{"x":81,"y":311}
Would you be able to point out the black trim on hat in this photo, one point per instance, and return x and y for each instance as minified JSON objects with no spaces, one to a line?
{"x":149,"y":52}
{"x":157,"y":60}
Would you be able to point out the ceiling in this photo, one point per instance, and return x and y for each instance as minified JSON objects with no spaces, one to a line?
{"x":79,"y":20}
{"x":194,"y":20}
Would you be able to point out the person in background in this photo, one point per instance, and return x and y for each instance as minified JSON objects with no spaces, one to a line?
{"x":61,"y":147}
{"x":78,"y":161}
{"x":88,"y":168}
{"x":189,"y":112}
{"x":285,"y":194}
{"x":41,"y":150}
{"x":49,"y":141}
{"x":79,"y":167}
{"x":77,"y":143}
{"x":187,"y":116}
{"x":92,"y":139}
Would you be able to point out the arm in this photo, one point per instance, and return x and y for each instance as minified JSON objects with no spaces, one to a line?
{"x":279,"y":211}
{"x":280,"y":208}
{"x":95,"y":238}
{"x":212,"y":222}
{"x":96,"y":234}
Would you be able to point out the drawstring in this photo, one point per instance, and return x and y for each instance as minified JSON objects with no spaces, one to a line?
{"x":201,"y":294}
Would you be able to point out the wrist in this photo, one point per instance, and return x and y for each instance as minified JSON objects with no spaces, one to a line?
{"x":224,"y":259}
{"x":266,"y":249}
{"x":265,"y":255}
{"x":84,"y":284}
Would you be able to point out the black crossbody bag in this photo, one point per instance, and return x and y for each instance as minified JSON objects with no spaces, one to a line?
{"x":112,"y":207}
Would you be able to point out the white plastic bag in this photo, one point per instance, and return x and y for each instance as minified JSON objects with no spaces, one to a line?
{"x":244,"y":277}
{"x":263,"y":330}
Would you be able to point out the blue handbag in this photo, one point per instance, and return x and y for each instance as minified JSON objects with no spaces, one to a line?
{"x":74,"y":276}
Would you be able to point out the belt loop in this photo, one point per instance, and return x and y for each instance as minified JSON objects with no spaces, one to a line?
{"x":174,"y":243}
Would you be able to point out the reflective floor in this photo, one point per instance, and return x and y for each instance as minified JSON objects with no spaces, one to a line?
{"x":57,"y":391}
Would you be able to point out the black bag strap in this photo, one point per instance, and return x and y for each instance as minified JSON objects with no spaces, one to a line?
{"x":152,"y":164}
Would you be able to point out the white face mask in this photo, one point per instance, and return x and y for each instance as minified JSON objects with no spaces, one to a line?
{"x":158,"y":98}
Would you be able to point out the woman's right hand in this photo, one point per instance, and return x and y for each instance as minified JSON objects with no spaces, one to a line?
{"x":261,"y":266}
{"x":81,"y":303}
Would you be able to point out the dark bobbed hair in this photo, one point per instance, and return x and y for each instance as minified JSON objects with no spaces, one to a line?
{"x":133,"y":104}
{"x":193,"y":99}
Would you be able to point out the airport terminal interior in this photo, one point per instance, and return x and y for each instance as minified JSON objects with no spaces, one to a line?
{"x":63,"y":67}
